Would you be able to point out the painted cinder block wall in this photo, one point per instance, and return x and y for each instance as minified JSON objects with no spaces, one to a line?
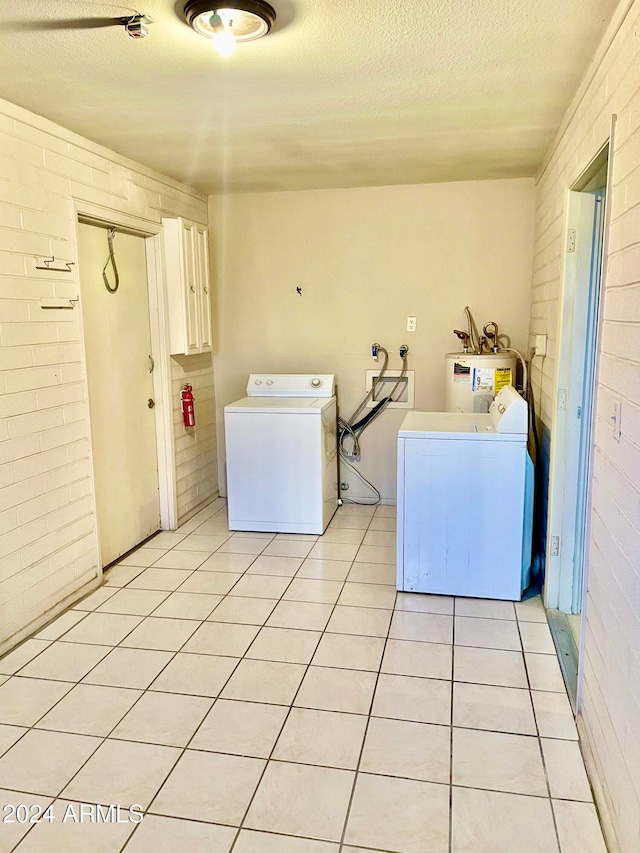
{"x":365,"y":258}
{"x":610,"y":719}
{"x":47,"y":527}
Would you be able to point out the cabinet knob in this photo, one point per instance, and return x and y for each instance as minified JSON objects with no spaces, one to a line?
{"x":193,"y":288}
{"x":206,"y":289}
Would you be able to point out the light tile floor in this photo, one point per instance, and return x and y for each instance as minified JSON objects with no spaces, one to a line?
{"x":273,"y":694}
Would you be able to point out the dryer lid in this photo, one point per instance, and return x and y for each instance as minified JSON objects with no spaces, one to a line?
{"x":281,"y":405}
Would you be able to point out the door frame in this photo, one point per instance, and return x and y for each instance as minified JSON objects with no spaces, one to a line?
{"x":568,"y":460}
{"x":151,"y":232}
{"x":594,"y":413}
{"x":558,"y":588}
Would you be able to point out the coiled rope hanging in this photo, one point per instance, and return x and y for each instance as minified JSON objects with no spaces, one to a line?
{"x":111,"y":259}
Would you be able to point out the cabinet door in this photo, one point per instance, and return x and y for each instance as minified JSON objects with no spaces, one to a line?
{"x":202,"y":256}
{"x":190,"y":283}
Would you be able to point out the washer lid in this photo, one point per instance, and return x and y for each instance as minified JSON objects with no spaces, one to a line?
{"x":454,"y":425}
{"x":290,"y":385}
{"x":280,"y":405}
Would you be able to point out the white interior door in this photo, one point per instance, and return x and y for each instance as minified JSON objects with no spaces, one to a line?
{"x":119,"y":374}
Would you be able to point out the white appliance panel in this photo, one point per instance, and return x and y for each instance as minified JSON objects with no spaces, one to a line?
{"x":290,"y":385}
{"x":460,"y":520}
{"x":330,"y":464}
{"x":281,"y":468}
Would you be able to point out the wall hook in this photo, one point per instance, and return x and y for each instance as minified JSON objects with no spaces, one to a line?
{"x":46,"y":265}
{"x":299,"y":290}
{"x":58,"y":302}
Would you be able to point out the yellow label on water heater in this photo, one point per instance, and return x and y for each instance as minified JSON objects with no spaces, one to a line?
{"x":503,"y":377}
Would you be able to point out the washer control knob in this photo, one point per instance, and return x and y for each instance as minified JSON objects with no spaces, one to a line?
{"x":316,"y":383}
{"x":269,"y":381}
{"x":258,"y":381}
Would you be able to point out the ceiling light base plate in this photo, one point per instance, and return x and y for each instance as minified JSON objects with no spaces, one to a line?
{"x":246,"y":20}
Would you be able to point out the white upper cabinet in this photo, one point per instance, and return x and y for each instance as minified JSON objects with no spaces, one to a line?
{"x":187,"y":274}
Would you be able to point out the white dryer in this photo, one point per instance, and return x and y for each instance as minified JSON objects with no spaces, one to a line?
{"x":465,"y":501}
{"x":281,"y":449}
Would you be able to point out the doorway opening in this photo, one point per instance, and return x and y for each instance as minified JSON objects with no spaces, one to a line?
{"x":572,"y":430}
{"x":128,"y":385}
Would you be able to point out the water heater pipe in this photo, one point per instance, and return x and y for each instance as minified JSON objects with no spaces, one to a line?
{"x":525,"y":372}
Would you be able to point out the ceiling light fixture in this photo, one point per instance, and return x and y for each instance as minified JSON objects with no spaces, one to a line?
{"x":246,"y":20}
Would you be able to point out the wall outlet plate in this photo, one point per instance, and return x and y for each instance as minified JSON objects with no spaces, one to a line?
{"x":541,"y":344}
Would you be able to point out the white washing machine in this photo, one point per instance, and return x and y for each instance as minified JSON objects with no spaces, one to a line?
{"x":465,"y":501}
{"x":282,"y":465}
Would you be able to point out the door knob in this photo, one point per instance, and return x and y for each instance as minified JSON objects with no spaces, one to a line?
{"x":151,"y":403}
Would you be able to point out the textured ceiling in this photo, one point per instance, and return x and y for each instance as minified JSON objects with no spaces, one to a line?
{"x":351,"y":93}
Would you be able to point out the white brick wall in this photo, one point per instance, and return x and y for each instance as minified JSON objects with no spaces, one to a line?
{"x":47,"y":530}
{"x":610,"y":721}
{"x":195,"y":448}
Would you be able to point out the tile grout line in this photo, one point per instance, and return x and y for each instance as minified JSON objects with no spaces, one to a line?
{"x":539,"y":739}
{"x":305,"y":764}
{"x":215,"y":700}
{"x":366,"y":729}
{"x":288,"y":714}
{"x":33,"y":725}
{"x":219,"y":696}
{"x":103,"y":739}
{"x":453,"y":653}
{"x":290,"y":707}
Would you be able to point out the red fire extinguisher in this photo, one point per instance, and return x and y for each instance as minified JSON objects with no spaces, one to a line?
{"x":188,"y":411}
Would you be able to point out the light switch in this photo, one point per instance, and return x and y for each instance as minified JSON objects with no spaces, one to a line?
{"x":541,"y":344}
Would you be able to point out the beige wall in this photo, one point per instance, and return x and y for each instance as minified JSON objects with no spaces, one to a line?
{"x":47,"y":527}
{"x":610,"y":719}
{"x":365,"y":260}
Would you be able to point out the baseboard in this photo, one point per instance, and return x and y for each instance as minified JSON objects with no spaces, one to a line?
{"x":196,"y":509}
{"x":49,"y":615}
{"x":566,"y":650}
{"x":602,"y":808}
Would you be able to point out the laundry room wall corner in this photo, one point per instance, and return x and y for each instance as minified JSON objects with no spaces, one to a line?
{"x":196,"y":469}
{"x":48,"y":543}
{"x":609,"y":718}
{"x":217,"y":232}
{"x":308,"y":280}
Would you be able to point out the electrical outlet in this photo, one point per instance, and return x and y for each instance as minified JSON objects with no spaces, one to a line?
{"x":411,"y":324}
